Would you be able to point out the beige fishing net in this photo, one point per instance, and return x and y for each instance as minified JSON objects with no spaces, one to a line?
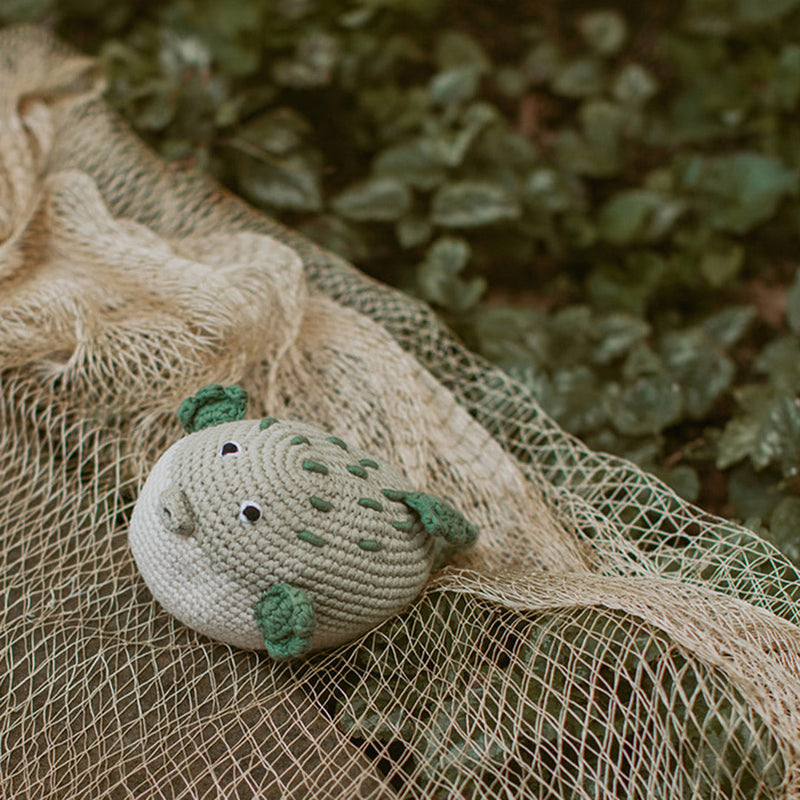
{"x":604,"y":640}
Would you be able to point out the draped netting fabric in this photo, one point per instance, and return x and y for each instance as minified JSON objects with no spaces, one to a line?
{"x":603,"y":640}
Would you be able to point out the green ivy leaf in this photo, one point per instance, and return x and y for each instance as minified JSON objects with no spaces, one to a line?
{"x":780,"y":361}
{"x":450,"y":147}
{"x":290,"y":183}
{"x":779,"y":437}
{"x":728,"y":326}
{"x":721,"y":263}
{"x":595,"y":149}
{"x":637,"y":216}
{"x":738,"y":440}
{"x":543,"y":62}
{"x":412,"y":231}
{"x":414,"y":162}
{"x":512,"y":337}
{"x":642,"y":360}
{"x":497,"y":144}
{"x":438,"y":277}
{"x":627,"y":288}
{"x":457,"y":49}
{"x":617,"y":334}
{"x":646,"y":406}
{"x":312,"y":64}
{"x":376,"y":199}
{"x":736,"y":192}
{"x":583,"y":77}
{"x":468,"y":204}
{"x":740,"y":436}
{"x":551,"y":190}
{"x":231,"y":32}
{"x":604,"y":31}
{"x":279,"y":131}
{"x":455,"y":85}
{"x":702,"y":370}
{"x":573,"y":399}
{"x":634,"y":85}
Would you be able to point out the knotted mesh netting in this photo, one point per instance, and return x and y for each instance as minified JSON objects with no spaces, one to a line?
{"x":603,"y":640}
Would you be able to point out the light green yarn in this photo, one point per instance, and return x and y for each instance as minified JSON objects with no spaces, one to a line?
{"x":212,"y":405}
{"x":320,"y":504}
{"x":285,"y":615}
{"x":438,"y":517}
{"x":315,"y":466}
{"x":311,"y":538}
{"x":369,"y":502}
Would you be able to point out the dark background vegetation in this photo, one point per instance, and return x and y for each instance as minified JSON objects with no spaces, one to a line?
{"x":602,"y":198}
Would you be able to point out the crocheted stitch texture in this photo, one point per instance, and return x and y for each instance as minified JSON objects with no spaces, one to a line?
{"x":233,"y":510}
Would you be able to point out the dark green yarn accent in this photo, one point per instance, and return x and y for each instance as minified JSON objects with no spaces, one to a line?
{"x":266,"y":422}
{"x":368,"y":502}
{"x":299,"y":439}
{"x":320,"y":504}
{"x":285,"y":617}
{"x":404,"y":525}
{"x":372,"y":545}
{"x":212,"y":405}
{"x":338,"y":442}
{"x":368,"y":462}
{"x":355,"y":469}
{"x":311,"y":538}
{"x":315,"y":466}
{"x":394,"y":494}
{"x":441,"y":519}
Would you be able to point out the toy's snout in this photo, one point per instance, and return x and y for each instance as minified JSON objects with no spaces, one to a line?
{"x":175,"y":511}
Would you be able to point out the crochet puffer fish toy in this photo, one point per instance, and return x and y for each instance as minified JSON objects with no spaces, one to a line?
{"x":270,"y":534}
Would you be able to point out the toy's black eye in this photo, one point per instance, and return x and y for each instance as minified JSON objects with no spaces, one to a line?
{"x":250,"y":511}
{"x":229,"y":448}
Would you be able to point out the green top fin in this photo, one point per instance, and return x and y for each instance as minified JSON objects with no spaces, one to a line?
{"x":212,"y":405}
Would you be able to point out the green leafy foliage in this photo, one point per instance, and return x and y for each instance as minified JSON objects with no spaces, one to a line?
{"x":603,"y":199}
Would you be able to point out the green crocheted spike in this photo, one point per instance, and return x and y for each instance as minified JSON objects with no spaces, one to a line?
{"x":285,"y":615}
{"x":212,"y":405}
{"x":440,"y":518}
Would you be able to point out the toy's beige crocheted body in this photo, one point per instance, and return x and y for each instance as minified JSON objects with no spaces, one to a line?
{"x":232,"y":510}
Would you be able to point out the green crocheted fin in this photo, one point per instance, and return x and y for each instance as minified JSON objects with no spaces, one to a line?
{"x":212,"y":405}
{"x":285,"y":615}
{"x":438,"y":517}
